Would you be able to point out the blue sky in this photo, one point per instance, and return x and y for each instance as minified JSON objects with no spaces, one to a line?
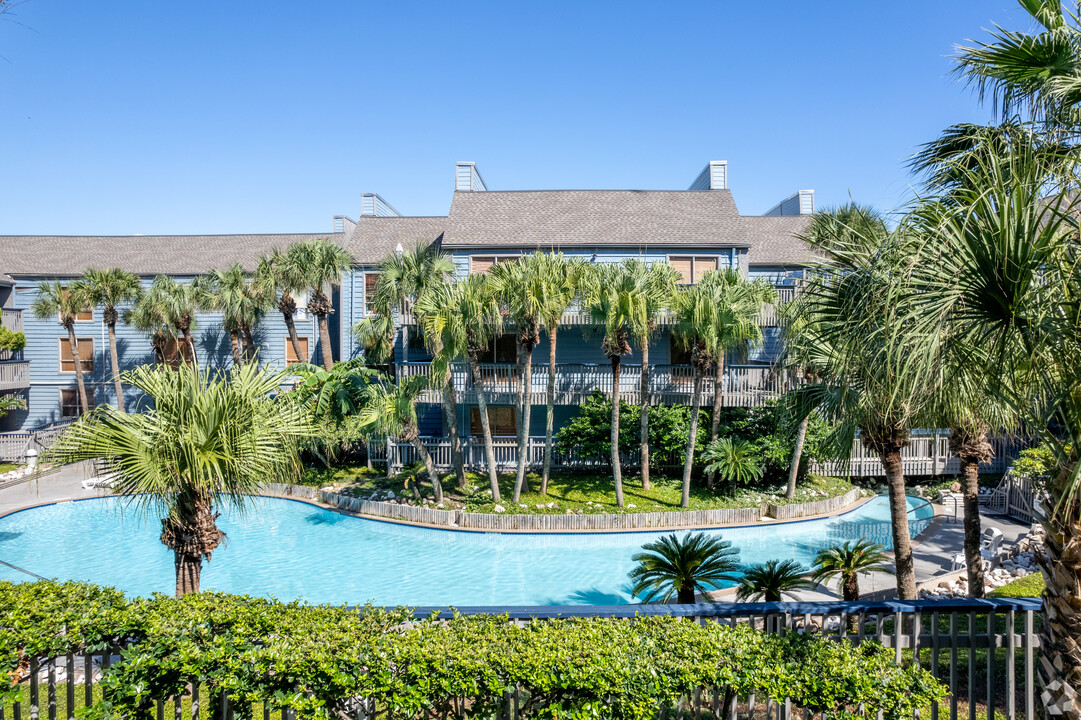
{"x":136,"y":116}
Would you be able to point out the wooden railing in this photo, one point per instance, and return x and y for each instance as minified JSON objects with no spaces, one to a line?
{"x":13,"y":445}
{"x":746,"y":385}
{"x":11,"y":319}
{"x":927,"y":453}
{"x":14,"y":375}
{"x":984,"y":651}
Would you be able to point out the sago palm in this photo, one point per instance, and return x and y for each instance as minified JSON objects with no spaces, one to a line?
{"x":737,"y":462}
{"x":109,"y":289}
{"x":55,"y":300}
{"x":209,"y":441}
{"x":681,"y":567}
{"x":324,"y":262}
{"x":848,"y":562}
{"x":773,"y":581}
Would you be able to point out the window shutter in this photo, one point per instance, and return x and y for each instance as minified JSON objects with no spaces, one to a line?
{"x":482,"y":264}
{"x":703,"y":265}
{"x":682,"y":265}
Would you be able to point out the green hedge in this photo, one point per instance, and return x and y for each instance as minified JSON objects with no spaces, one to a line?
{"x":312,"y":658}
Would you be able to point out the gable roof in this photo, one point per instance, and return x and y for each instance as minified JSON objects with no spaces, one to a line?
{"x":61,"y":255}
{"x":375,"y":238}
{"x":773,"y":240}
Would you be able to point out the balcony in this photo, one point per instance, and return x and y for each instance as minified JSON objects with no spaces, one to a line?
{"x":14,"y":371}
{"x":745,"y":385}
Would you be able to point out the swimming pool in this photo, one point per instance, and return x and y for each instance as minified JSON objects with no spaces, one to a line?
{"x":289,"y":550}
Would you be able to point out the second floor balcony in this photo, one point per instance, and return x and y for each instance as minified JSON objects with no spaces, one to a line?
{"x":14,"y":371}
{"x":744,"y":385}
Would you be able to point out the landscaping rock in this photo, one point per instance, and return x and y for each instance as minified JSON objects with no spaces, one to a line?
{"x":499,"y":509}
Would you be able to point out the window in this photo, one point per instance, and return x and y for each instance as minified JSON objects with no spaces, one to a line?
{"x":504,"y":349}
{"x":483,"y":263}
{"x":69,"y":402}
{"x":86,"y":354}
{"x":291,"y":357}
{"x":692,"y":269}
{"x":86,"y":315}
{"x":370,"y":281}
{"x":500,"y":420}
{"x":174,"y":351}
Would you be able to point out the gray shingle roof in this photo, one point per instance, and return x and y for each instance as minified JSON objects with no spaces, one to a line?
{"x":773,"y":241}
{"x":374,"y":238}
{"x":141,"y":254}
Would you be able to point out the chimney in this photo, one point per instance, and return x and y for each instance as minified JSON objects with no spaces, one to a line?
{"x":714,"y":177}
{"x":343,"y":224}
{"x":467,"y":178}
{"x":371,"y":205}
{"x":800,"y":203}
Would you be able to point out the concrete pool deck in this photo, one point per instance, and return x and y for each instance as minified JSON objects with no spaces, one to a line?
{"x":933,"y":550}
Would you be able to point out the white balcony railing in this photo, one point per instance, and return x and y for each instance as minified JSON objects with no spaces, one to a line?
{"x":14,"y":375}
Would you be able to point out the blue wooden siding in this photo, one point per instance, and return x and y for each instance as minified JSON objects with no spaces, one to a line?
{"x":45,"y":336}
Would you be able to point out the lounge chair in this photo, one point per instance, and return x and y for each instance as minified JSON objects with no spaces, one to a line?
{"x":104,"y":482}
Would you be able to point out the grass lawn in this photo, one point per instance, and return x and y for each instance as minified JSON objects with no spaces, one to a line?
{"x":7,"y":467}
{"x":588,"y":493}
{"x":1030,"y":586}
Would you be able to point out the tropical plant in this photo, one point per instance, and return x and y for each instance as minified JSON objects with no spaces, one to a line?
{"x":520,"y":289}
{"x":324,"y":262}
{"x":683,"y":566}
{"x":737,"y":462}
{"x":465,"y":317}
{"x":107,"y":289}
{"x":615,"y":296}
{"x":390,"y":409}
{"x":658,"y":282}
{"x":55,"y":300}
{"x":11,"y":402}
{"x":848,"y":562}
{"x":173,"y":305}
{"x":210,"y":440}
{"x":242,"y":302}
{"x":773,"y":581}
{"x":281,"y":275}
{"x":715,"y":315}
{"x":337,"y":392}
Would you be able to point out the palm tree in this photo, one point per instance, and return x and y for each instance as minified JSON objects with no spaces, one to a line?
{"x":737,"y":462}
{"x":324,"y":262}
{"x":242,"y":302}
{"x":59,"y":301}
{"x":390,"y":409}
{"x":335,"y":398}
{"x":869,"y":381}
{"x":659,"y":281}
{"x":108,"y":289}
{"x":150,"y":319}
{"x":848,"y":561}
{"x":614,"y":295}
{"x":560,"y":279}
{"x":465,"y":317}
{"x":681,"y":567}
{"x":773,"y":581}
{"x":521,"y":291}
{"x":175,"y":303}
{"x":282,"y":275}
{"x":717,"y":314}
{"x":11,"y":402}
{"x":210,"y":440}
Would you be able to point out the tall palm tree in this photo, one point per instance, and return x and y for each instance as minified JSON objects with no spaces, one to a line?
{"x":659,"y":281}
{"x":242,"y":302}
{"x":848,"y":562}
{"x":390,"y":409}
{"x":683,"y":566}
{"x":714,"y":316}
{"x":865,"y":351}
{"x":614,"y":294}
{"x":65,"y":302}
{"x":560,"y":280}
{"x":324,"y":262}
{"x":521,"y":291}
{"x":773,"y":581}
{"x":282,"y":275}
{"x":176,"y":303}
{"x":107,"y":289}
{"x":465,"y":318}
{"x":210,"y":440}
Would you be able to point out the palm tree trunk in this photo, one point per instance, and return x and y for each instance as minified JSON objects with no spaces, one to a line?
{"x":190,"y":341}
{"x":970,"y":485}
{"x":450,"y":419}
{"x":718,"y":403}
{"x":617,"y":473}
{"x":482,"y":408}
{"x":688,"y":462}
{"x":422,"y":451}
{"x":73,"y":345}
{"x":189,"y":569}
{"x":114,"y":357}
{"x":797,"y":456}
{"x":549,"y":424}
{"x":250,"y":350}
{"x":685,"y":595}
{"x":288,"y":307}
{"x":902,"y":543}
{"x":519,"y":412}
{"x":234,"y":343}
{"x":525,"y":400}
{"x":850,"y":588}
{"x":643,"y":395}
{"x":324,"y":342}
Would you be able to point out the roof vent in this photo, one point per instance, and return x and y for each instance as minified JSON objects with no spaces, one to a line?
{"x":800,"y":203}
{"x":714,"y":177}
{"x":467,"y":177}
{"x":371,"y":205}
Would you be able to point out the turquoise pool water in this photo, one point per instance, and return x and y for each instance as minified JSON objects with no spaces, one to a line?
{"x":288,"y":549}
